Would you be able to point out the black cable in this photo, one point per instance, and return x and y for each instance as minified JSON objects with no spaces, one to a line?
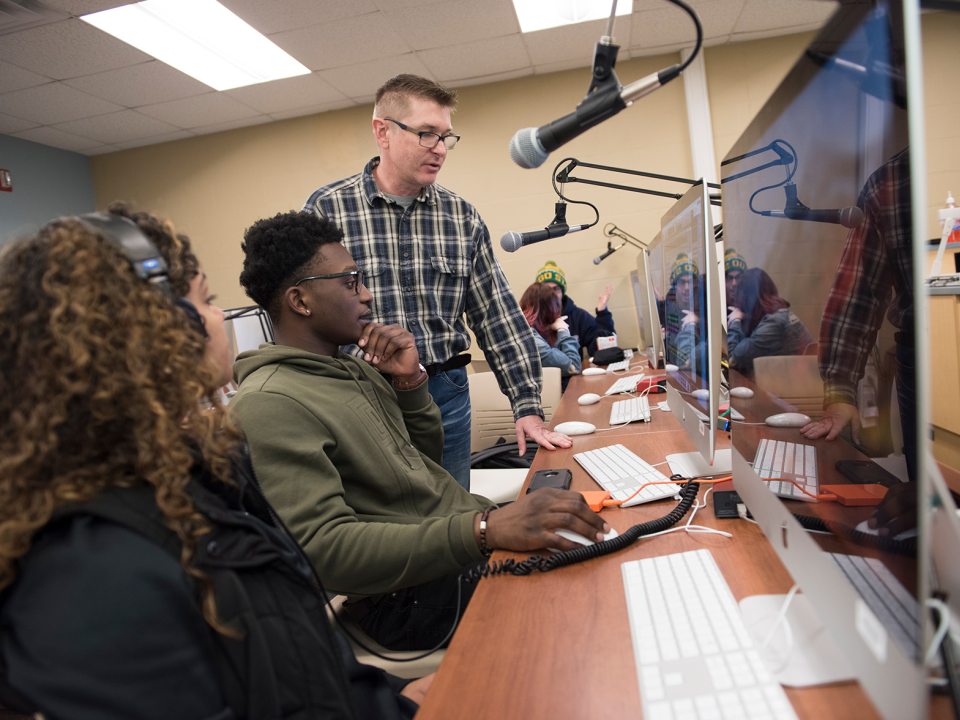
{"x":887,"y":543}
{"x":696,"y":23}
{"x":539,"y":563}
{"x":553,"y":181}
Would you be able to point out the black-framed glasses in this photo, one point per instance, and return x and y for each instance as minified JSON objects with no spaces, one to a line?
{"x":429,"y":139}
{"x":356,"y":279}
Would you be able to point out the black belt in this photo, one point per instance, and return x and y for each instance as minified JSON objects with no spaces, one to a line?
{"x":457,"y":361}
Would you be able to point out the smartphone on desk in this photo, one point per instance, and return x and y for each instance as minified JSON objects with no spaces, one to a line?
{"x":863,"y":472}
{"x":559,"y":479}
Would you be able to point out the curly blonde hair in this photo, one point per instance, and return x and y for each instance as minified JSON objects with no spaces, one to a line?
{"x":105,"y":386}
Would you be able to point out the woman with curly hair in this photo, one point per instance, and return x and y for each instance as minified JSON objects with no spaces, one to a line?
{"x":557,"y":347}
{"x":142,"y":573}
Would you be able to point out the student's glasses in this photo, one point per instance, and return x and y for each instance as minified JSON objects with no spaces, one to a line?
{"x":354,"y":283}
{"x":429,"y":139}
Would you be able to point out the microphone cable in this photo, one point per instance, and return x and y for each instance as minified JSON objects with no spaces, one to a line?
{"x":553,"y":181}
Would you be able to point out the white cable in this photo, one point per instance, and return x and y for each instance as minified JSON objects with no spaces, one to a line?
{"x":943,"y":612}
{"x":787,"y":631}
{"x":689,"y":526}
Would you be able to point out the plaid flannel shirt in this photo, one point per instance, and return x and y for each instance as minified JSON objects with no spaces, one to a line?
{"x":876,"y":267}
{"x":429,"y":265}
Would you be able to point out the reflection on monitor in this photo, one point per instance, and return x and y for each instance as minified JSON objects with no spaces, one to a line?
{"x":817,"y":201}
{"x":645,"y":298}
{"x":690,"y":313}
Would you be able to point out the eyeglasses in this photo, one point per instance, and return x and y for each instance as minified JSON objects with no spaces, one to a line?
{"x":356,"y":279}
{"x":429,"y":139}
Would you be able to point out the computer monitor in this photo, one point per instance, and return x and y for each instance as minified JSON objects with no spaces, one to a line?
{"x":691,"y":323}
{"x":821,"y":199}
{"x":649,"y":261}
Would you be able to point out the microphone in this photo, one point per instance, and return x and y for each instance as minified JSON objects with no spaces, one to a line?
{"x":610,"y":251}
{"x":849,"y":217}
{"x":513,"y":241}
{"x":530,"y":147}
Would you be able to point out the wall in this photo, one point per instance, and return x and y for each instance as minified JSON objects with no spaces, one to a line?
{"x":47,"y":182}
{"x":217,"y":185}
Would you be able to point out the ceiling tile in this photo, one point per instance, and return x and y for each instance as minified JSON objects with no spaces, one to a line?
{"x":572,"y":43}
{"x":143,"y":84}
{"x":58,"y":138}
{"x":198,"y":111}
{"x":157,"y":140}
{"x":273,"y":17}
{"x":287,"y":94}
{"x":67,"y":49}
{"x":343,"y":42}
{"x":459,"y":21}
{"x":362,"y":80}
{"x":83,"y":7}
{"x":54,"y":103}
{"x":232,"y":125}
{"x":664,"y":27}
{"x":313,"y":109}
{"x":10,"y":124}
{"x":764,"y":15}
{"x":477,"y":59}
{"x":117,"y":127}
{"x":15,"y":78}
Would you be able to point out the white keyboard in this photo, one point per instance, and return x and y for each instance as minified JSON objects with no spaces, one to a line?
{"x":626,"y":384}
{"x":889,"y":600}
{"x":620,"y":472}
{"x":789,"y":461}
{"x":693,"y":654}
{"x":632,"y":409}
{"x":619,"y":366}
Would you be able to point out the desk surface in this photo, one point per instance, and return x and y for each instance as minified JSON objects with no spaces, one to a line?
{"x":557,"y":645}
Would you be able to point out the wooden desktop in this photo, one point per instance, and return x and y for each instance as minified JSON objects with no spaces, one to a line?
{"x":557,"y":645}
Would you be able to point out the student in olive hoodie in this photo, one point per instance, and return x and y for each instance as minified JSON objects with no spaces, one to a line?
{"x":348,"y":450}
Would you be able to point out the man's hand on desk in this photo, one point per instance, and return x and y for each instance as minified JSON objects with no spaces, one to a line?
{"x":532,"y":426}
{"x":531,"y":522}
{"x":416,"y":690}
{"x":836,"y":417}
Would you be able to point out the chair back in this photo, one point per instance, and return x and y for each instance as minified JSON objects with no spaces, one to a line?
{"x":490,"y":411}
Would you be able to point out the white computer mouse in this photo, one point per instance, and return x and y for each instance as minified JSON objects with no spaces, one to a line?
{"x":741,"y":391}
{"x":575,"y":427}
{"x":701,"y":394}
{"x":593,"y":371}
{"x":578,"y":538}
{"x":588,"y":399}
{"x":670,"y":367}
{"x":787,"y":420}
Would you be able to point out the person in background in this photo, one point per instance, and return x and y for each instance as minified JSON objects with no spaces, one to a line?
{"x":680,"y":321}
{"x":734,"y":265}
{"x":143,"y":574}
{"x":557,"y":347}
{"x":761,"y":323}
{"x":348,"y":449}
{"x":583,"y":326}
{"x":429,"y":263}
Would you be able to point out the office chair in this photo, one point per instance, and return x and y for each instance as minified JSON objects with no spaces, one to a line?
{"x":410,"y":670}
{"x":795,"y":379}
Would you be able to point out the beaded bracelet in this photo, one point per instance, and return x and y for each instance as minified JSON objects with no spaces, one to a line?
{"x":420,"y":379}
{"x":485,"y":549}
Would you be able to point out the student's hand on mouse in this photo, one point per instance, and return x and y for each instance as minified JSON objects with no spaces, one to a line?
{"x":836,"y":417}
{"x":532,"y":426}
{"x":530,"y":522}
{"x":416,"y":690}
{"x":560,"y":324}
{"x":898,"y":511}
{"x":604,"y":298}
{"x":390,"y":348}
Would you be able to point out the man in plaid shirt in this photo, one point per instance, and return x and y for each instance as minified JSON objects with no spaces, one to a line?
{"x":875,"y":275}
{"x":427,"y":259}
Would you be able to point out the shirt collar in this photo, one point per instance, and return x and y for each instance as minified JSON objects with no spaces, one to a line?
{"x":371,"y":192}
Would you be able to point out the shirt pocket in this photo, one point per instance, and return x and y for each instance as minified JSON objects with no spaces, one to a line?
{"x":449,"y":276}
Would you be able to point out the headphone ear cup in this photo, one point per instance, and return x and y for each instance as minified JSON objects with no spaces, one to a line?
{"x":196,"y":319}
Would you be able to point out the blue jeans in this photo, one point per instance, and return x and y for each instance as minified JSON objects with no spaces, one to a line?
{"x":451,"y":393}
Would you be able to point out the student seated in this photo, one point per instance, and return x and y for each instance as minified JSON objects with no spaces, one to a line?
{"x":583,"y":326}
{"x":348,"y":450}
{"x":142,"y":572}
{"x":555,"y":345}
{"x":761,"y":322}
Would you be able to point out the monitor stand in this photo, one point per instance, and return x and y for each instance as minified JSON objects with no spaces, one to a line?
{"x":801,"y":652}
{"x":692,"y":464}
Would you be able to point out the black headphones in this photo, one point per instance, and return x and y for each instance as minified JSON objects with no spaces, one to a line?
{"x":145,"y":259}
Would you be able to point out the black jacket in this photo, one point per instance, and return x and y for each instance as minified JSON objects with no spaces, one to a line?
{"x":103,"y":622}
{"x":585,"y":326}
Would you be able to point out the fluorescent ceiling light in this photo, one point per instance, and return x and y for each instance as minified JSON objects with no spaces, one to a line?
{"x":542,"y":14}
{"x":200,"y":38}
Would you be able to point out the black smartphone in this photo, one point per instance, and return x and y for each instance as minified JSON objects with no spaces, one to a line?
{"x":559,"y":479}
{"x":863,"y":472}
{"x":725,"y":503}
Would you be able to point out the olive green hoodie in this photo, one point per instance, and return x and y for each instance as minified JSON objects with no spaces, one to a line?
{"x":352,"y":467}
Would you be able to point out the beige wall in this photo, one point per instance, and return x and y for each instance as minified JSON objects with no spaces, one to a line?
{"x":216,"y":185}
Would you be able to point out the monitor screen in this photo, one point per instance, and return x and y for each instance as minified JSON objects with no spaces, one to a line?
{"x":690,"y":313}
{"x":820,"y":340}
